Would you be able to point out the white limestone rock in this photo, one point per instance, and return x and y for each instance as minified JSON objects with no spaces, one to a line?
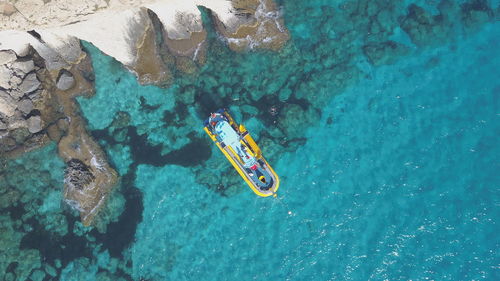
{"x":5,"y":77}
{"x":119,"y":31}
{"x":7,"y":105}
{"x":58,"y":11}
{"x":7,"y":8}
{"x":66,"y":46}
{"x":34,"y":124}
{"x":20,"y":42}
{"x":114,"y":33}
{"x":180,"y":18}
{"x":17,"y":41}
{"x":7,"y":56}
{"x":29,"y":84}
{"x":23,"y":67}
{"x":25,"y":106}
{"x":16,"y":124}
{"x":65,"y":81}
{"x":126,"y":35}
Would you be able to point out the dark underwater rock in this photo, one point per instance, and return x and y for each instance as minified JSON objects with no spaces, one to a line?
{"x":476,"y":13}
{"x":450,"y":10}
{"x":187,"y":95}
{"x":294,"y":120}
{"x":227,"y":182}
{"x":424,"y":28}
{"x":77,"y":174}
{"x":121,"y":120}
{"x":384,"y":52}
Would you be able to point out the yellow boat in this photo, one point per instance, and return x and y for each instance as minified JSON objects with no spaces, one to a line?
{"x":243,"y":153}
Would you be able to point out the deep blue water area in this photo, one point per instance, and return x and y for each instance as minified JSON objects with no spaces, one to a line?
{"x":384,"y":131}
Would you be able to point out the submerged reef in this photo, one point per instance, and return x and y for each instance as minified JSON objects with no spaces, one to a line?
{"x":30,"y":193}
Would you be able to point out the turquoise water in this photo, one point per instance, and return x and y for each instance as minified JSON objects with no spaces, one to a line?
{"x":402,"y":183}
{"x":388,"y":172}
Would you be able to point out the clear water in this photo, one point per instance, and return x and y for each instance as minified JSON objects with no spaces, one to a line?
{"x":397,"y":178}
{"x":402,"y":184}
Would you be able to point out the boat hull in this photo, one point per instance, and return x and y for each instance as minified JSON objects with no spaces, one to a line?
{"x":248,"y":142}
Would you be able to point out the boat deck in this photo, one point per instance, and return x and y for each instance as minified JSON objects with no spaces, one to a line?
{"x":238,"y":136}
{"x":268,"y":192}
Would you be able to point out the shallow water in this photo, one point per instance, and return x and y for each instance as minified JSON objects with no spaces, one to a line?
{"x":390,"y":174}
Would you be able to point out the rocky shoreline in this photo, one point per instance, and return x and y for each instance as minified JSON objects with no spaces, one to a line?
{"x":44,"y":67}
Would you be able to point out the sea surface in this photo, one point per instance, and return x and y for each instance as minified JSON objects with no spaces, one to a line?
{"x":394,"y":176}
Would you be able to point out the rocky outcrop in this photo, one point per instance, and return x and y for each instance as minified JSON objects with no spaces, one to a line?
{"x":257,"y":24}
{"x":41,"y":78}
{"x":30,"y":106}
{"x":183,"y":43}
{"x":65,"y":81}
{"x":182,"y":28}
{"x":424,"y":28}
{"x":89,"y":179}
{"x":22,"y":98}
{"x":128,"y":36}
